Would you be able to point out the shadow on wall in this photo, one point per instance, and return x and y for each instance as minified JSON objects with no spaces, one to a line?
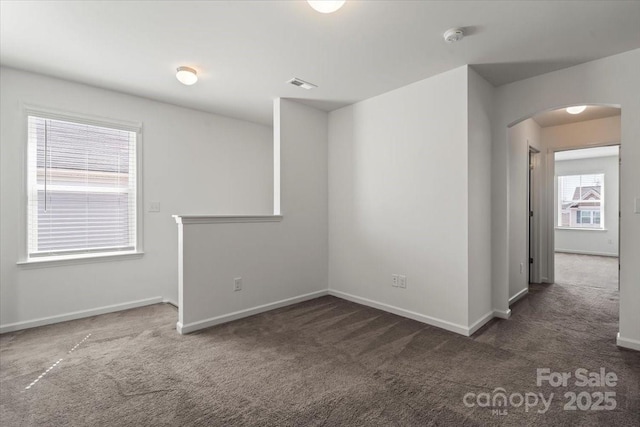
{"x":323,"y":104}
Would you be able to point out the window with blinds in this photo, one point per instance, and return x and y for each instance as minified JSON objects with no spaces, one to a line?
{"x":581,"y":201}
{"x":81,"y":187}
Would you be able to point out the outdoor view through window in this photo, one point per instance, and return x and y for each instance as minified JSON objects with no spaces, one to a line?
{"x":580,"y":201}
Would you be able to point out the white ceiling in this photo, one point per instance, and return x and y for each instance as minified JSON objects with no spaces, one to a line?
{"x":246,"y":50}
{"x":587,"y":153}
{"x":561,"y":117}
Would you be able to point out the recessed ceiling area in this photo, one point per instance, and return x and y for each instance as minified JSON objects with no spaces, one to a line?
{"x":245,"y":51}
{"x":562,"y":117}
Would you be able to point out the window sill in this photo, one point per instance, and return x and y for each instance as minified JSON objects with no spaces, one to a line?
{"x":224,"y":219}
{"x":54,"y":261}
{"x":581,"y":229}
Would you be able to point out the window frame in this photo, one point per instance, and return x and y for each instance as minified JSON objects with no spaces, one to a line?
{"x":85,"y":257}
{"x":587,"y":219}
{"x":601,"y":224}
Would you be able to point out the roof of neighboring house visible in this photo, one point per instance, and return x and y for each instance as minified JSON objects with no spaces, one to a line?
{"x":588,"y":193}
{"x":590,"y":197}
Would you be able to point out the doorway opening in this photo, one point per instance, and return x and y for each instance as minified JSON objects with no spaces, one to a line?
{"x":586,"y":217}
{"x":548,"y":276}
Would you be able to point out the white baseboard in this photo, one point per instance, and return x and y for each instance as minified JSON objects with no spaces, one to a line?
{"x":579,"y":252}
{"x":77,"y":315}
{"x":627,"y":343}
{"x":449,"y":326}
{"x":480,"y":323}
{"x":502,"y":314}
{"x":202,"y":324}
{"x":519,"y":295}
{"x":170,"y":301}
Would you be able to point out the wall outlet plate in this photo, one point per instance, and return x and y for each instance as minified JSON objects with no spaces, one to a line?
{"x":402,"y":282}
{"x":154,"y":206}
{"x":394,"y":280}
{"x":237,"y":284}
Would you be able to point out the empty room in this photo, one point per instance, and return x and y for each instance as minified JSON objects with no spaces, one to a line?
{"x":329,"y":212}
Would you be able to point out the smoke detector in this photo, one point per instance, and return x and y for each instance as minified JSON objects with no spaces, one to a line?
{"x":301,"y":83}
{"x":453,"y":35}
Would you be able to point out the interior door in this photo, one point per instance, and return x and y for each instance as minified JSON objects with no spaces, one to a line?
{"x":531,"y":244}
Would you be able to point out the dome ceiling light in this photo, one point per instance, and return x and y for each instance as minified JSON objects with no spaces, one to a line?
{"x":187,"y":75}
{"x":326,"y":6}
{"x":577,"y":109}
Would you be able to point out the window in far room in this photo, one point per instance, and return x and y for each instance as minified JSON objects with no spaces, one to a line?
{"x":581,"y":201}
{"x":82,"y":187}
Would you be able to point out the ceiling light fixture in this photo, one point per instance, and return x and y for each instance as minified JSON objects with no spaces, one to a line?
{"x":576,"y":110}
{"x":326,"y":6}
{"x":187,"y":76}
{"x":453,"y":35}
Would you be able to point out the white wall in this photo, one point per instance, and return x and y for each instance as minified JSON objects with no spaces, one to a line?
{"x":280,"y":262}
{"x":480,"y":109}
{"x":590,"y":133}
{"x":193,"y":162}
{"x":399,"y":199}
{"x":593,"y":242}
{"x":614,"y":81}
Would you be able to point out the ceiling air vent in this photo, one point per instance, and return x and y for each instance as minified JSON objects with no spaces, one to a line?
{"x":301,"y":83}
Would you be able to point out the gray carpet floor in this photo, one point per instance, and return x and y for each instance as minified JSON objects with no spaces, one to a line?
{"x":587,"y":270}
{"x":322,"y":362}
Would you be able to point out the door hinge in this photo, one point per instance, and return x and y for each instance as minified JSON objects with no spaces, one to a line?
{"x":530,"y":213}
{"x":530,"y":260}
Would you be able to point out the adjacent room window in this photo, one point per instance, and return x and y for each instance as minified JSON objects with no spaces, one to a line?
{"x":82,"y":187}
{"x":581,"y":201}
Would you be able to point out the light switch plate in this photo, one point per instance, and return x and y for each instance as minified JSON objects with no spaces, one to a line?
{"x":154,"y":206}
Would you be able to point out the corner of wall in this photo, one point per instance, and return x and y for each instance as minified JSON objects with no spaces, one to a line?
{"x":479,"y":133}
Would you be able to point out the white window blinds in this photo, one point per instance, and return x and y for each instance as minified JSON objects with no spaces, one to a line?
{"x":81,"y":188}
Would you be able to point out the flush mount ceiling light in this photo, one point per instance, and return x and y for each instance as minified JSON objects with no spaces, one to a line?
{"x":576,"y":110}
{"x":187,"y":76}
{"x":453,"y":35}
{"x":326,"y":6}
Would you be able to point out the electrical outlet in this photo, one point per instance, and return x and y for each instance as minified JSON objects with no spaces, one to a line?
{"x":154,"y":206}
{"x":402,"y":282}
{"x":237,"y":284}
{"x":394,"y":280}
